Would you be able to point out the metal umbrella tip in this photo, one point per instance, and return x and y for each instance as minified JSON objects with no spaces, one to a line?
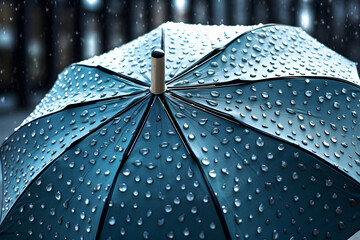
{"x":157,"y":71}
{"x":157,"y":53}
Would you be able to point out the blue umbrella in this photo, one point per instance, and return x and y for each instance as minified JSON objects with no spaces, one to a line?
{"x":238,"y":132}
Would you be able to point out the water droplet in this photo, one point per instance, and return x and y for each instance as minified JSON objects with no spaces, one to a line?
{"x":257,"y":48}
{"x":214,"y":93}
{"x":212,"y":174}
{"x":168,"y":208}
{"x":264,"y":168}
{"x":49,"y":187}
{"x":190,"y":196}
{"x":275,"y":235}
{"x":58,"y":195}
{"x":211,"y":72}
{"x":224,"y":59}
{"x":328,"y":182}
{"x":260,"y":142}
{"x":112,"y":221}
{"x":123,"y":187}
{"x":265,"y":95}
{"x":261,"y":208}
{"x":146,"y":136}
{"x":191,"y":136}
{"x":341,"y":225}
{"x":180,"y":115}
{"x":205,"y":161}
{"x":212,"y":102}
{"x":151,"y":166}
{"x":295,"y":176}
{"x":308,"y":93}
{"x":144,"y":151}
{"x":237,"y":139}
{"x":203,"y":121}
{"x":237,"y":202}
{"x":214,"y":64}
{"x":164,"y":144}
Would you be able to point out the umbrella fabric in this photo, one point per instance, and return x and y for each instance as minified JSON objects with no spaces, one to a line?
{"x":256,"y":137}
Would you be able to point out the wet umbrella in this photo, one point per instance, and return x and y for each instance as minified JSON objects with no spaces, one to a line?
{"x":255,"y":136}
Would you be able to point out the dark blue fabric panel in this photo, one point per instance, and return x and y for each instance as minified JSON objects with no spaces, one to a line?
{"x":269,"y":189}
{"x":160,"y":192}
{"x":271,"y":52}
{"x":319,"y":115}
{"x":66,"y":200}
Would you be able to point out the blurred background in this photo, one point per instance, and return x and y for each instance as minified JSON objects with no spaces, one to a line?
{"x":38,"y":39}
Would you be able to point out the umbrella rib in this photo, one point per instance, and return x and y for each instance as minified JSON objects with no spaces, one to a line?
{"x":77,"y":141}
{"x":139,"y":129}
{"x":125,"y":157}
{"x":125,"y":77}
{"x":240,"y":82}
{"x":202,"y":61}
{"x":215,"y":52}
{"x":80,"y":104}
{"x":238,"y":122}
{"x":192,"y":154}
{"x":162,"y":44}
{"x":70,"y":106}
{"x":204,"y":108}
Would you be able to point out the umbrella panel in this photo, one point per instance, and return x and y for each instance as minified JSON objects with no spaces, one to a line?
{"x":33,"y":147}
{"x":160,"y":192}
{"x":252,"y":181}
{"x":271,"y":52}
{"x":67,"y":199}
{"x":79,"y":84}
{"x":267,"y":188}
{"x":132,"y":59}
{"x":186,"y":45}
{"x":319,"y":115}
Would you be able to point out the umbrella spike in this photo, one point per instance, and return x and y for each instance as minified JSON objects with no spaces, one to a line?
{"x":157,"y":72}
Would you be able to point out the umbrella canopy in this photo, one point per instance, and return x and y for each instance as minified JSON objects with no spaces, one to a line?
{"x":255,"y":137}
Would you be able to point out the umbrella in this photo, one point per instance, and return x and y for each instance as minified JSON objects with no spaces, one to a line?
{"x":229,"y":132}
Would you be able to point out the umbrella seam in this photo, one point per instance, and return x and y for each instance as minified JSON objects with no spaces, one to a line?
{"x":209,"y":188}
{"x":106,"y":70}
{"x":231,"y":119}
{"x":72,"y":105}
{"x":126,"y":155}
{"x":162,"y":43}
{"x":241,"y":82}
{"x":217,"y":51}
